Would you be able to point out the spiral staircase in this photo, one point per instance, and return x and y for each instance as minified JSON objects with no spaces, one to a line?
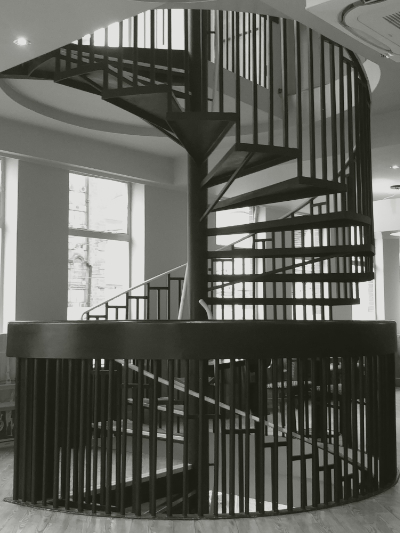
{"x":246,"y":79}
{"x":270,"y":113}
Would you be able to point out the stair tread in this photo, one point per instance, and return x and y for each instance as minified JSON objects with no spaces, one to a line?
{"x":263,"y":156}
{"x":315,"y":251}
{"x":293,"y":189}
{"x":79,"y":70}
{"x":161,"y":433}
{"x":327,"y":220}
{"x":200,"y":133}
{"x":282,"y":277}
{"x":140,"y":54}
{"x":283,"y":301}
{"x":152,"y":99}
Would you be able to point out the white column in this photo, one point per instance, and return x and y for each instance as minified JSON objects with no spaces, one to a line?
{"x":36,"y":243}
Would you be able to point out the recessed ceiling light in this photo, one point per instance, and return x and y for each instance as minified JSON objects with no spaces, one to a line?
{"x":22,"y":41}
{"x":394,"y":167}
{"x":396,"y":234}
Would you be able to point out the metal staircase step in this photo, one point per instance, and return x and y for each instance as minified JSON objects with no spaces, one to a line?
{"x":262,"y":157}
{"x":283,"y":301}
{"x":292,"y":189}
{"x":79,"y":70}
{"x":282,"y":277}
{"x":152,"y":99}
{"x":315,"y":251}
{"x":156,"y":57}
{"x":200,"y":133}
{"x":177,"y":438}
{"x":327,"y":220}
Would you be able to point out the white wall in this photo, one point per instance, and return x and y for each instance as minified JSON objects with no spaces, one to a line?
{"x":24,"y":140}
{"x":36,"y":273}
{"x":165,"y":230}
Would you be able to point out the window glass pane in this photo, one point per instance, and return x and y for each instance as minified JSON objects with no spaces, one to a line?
{"x":232,"y":217}
{"x":98,"y":204}
{"x":97,"y":270}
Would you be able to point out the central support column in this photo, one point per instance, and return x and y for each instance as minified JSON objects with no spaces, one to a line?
{"x":197,"y":197}
{"x":197,"y":241}
{"x":198,"y":431}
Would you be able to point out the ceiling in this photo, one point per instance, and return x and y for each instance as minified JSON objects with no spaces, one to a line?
{"x":49,"y":24}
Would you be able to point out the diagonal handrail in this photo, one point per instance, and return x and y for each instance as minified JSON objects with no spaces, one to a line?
{"x":181,"y":387}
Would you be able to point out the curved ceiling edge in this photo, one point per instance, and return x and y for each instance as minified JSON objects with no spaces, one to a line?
{"x":73,"y":119}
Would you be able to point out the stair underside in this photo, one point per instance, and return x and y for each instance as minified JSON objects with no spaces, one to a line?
{"x":153,"y":100}
{"x":85,"y":54}
{"x":329,"y":220}
{"x":262,"y":157}
{"x":200,"y":133}
{"x":316,"y":251}
{"x":292,"y":189}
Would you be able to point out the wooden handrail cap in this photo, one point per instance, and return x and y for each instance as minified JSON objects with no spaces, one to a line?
{"x":199,"y":340}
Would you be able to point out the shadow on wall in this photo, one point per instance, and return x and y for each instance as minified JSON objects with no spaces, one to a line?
{"x":7,"y":365}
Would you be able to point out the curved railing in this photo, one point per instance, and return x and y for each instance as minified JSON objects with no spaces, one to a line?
{"x":152,"y":419}
{"x":287,"y":105}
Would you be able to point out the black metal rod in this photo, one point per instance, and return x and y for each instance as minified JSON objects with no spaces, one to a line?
{"x":124,"y":415}
{"x":153,"y":442}
{"x":96,"y":402}
{"x":185,"y":484}
{"x":323,"y":110}
{"x":68,"y":436}
{"x":270,"y":78}
{"x":35,"y":378}
{"x":216,"y":435}
{"x":56,"y":456}
{"x":299,"y":132}
{"x":275,"y":449}
{"x":18,"y":442}
{"x":169,"y":435}
{"x":81,"y":449}
{"x":110,"y":423}
{"x":137,"y":481}
{"x":232,"y":424}
{"x":89,"y":429}
{"x":284,"y":82}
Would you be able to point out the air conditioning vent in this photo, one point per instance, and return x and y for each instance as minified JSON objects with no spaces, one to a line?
{"x":394,"y":19}
{"x":376,"y":23}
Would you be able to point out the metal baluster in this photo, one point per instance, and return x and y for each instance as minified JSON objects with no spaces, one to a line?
{"x":68,"y":436}
{"x":169,"y":435}
{"x":34,"y":409}
{"x":81,"y":446}
{"x":232,"y":424}
{"x":216,"y":435}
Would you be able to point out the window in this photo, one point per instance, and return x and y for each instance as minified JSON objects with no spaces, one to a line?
{"x":98,"y":244}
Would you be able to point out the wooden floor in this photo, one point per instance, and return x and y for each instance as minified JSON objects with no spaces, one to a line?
{"x":376,"y":515}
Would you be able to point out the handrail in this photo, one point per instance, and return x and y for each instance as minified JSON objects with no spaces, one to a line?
{"x":153,"y":279}
{"x":132,"y":289}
